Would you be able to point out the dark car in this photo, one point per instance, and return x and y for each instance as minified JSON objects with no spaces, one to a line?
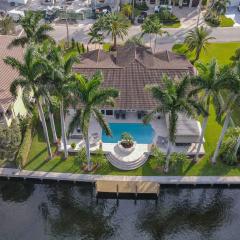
{"x":142,"y":17}
{"x":101,"y":11}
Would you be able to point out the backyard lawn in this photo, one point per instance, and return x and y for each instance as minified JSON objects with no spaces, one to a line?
{"x":38,"y":153}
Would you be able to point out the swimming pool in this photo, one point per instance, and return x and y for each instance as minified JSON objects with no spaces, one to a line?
{"x":141,"y":133}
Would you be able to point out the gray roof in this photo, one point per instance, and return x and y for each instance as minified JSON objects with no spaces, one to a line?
{"x":188,"y":129}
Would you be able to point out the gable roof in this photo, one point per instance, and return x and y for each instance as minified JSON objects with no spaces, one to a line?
{"x":7,"y":74}
{"x":130,"y":69}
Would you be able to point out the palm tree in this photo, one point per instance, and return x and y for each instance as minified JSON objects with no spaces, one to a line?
{"x":172,"y":101}
{"x":60,"y":78}
{"x":147,"y":28}
{"x":127,"y":10}
{"x":34,"y":31}
{"x":209,"y":82}
{"x":92,"y":96}
{"x":233,"y":78}
{"x":30,"y":80}
{"x":220,"y":6}
{"x":95,"y":37}
{"x":7,"y":25}
{"x":198,"y":40}
{"x":114,"y":24}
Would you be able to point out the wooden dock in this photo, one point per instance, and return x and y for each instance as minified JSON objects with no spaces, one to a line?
{"x":127,"y":187}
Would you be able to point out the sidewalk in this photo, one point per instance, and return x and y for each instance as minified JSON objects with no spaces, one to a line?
{"x":174,"y":180}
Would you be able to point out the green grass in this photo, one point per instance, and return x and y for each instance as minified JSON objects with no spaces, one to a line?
{"x":226,"y":22}
{"x":172,"y":25}
{"x":38,"y":154}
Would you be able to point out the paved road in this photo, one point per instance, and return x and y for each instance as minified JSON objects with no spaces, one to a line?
{"x":79,"y":33}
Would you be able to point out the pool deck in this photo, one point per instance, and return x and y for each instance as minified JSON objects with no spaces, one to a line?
{"x":170,"y":180}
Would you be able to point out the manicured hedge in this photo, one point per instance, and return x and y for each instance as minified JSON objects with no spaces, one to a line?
{"x":24,"y":149}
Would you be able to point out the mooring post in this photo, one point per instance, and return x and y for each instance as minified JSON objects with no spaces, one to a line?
{"x":117,"y":190}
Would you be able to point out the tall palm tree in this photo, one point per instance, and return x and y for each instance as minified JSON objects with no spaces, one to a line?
{"x":7,"y":25}
{"x":60,"y":78}
{"x":147,"y":28}
{"x":95,"y":37}
{"x":30,"y":80}
{"x":34,"y":31}
{"x":198,"y":40}
{"x":220,"y":6}
{"x":209,"y":82}
{"x":173,"y":100}
{"x":233,"y":78}
{"x":92,"y":97}
{"x":114,"y":24}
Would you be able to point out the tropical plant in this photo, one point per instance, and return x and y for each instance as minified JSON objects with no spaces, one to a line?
{"x":34,"y":31}
{"x":230,"y":151}
{"x":208,"y":83}
{"x":153,"y":26}
{"x":220,"y":6}
{"x":127,"y":10}
{"x":91,"y":96}
{"x":114,"y":24}
{"x":7,"y":25}
{"x":127,"y":140}
{"x":30,"y":80}
{"x":236,"y":57}
{"x":233,"y":78}
{"x":198,"y":40}
{"x":136,"y":40}
{"x":173,"y":100}
{"x":95,"y":37}
{"x":60,"y":80}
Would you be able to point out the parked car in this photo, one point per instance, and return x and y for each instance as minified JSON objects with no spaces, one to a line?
{"x":159,"y":8}
{"x":142,"y":17}
{"x":102,"y":11}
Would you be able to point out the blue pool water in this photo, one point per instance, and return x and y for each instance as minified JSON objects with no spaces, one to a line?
{"x":141,"y":133}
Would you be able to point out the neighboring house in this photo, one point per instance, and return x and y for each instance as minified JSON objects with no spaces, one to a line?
{"x":129,"y":70}
{"x":10,"y":107}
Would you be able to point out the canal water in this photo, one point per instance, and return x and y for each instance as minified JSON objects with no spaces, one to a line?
{"x":33,"y":210}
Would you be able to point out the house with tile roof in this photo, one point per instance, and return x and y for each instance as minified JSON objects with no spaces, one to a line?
{"x":129,"y":70}
{"x":10,"y":107}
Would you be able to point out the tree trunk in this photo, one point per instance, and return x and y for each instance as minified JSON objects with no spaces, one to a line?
{"x":45,"y":130}
{"x":169,"y":150}
{"x":155,"y":43}
{"x":114,"y":43}
{"x":150,"y":35}
{"x":198,"y":51}
{"x":237,"y":146}
{"x":51,"y":118}
{"x":63,"y":130}
{"x":88,"y":153}
{"x":204,"y":125}
{"x":225,"y":126}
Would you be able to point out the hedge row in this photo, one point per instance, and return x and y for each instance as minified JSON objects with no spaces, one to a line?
{"x":22,"y":157}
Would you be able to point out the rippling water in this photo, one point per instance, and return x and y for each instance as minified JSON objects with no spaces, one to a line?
{"x":66,"y":211}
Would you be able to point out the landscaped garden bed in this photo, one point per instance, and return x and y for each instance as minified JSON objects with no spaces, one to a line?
{"x":167,"y":19}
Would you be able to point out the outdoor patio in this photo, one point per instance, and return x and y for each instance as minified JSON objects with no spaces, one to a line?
{"x":139,"y":155}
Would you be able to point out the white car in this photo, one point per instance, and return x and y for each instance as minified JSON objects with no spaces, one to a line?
{"x":159,"y":8}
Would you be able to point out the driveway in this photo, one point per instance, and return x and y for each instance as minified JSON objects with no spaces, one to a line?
{"x":234,"y":14}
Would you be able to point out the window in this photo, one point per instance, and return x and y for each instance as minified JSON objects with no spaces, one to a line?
{"x":109,"y":112}
{"x":103,"y":111}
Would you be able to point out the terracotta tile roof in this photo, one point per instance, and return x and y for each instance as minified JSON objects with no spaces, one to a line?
{"x":131,"y":69}
{"x":7,"y":74}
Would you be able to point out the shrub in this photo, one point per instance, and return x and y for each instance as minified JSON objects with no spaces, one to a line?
{"x":177,"y":160}
{"x":159,"y":156}
{"x":165,"y":17}
{"x":82,"y":156}
{"x":227,"y":150}
{"x":212,"y":18}
{"x":22,"y":156}
{"x":141,"y":6}
{"x":73,"y":145}
{"x":127,"y":140}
